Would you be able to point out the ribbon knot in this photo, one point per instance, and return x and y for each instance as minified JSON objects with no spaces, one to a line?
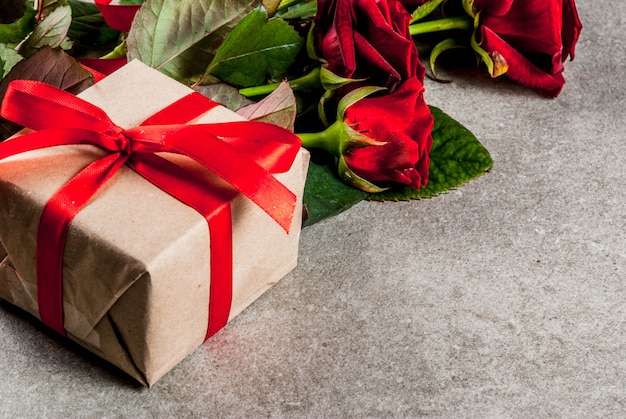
{"x":244,"y":154}
{"x":122,"y":141}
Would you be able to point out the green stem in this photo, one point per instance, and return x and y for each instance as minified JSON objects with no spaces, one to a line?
{"x":285,"y":4}
{"x":308,"y":81}
{"x":329,"y":139}
{"x":446,"y":24}
{"x":118,"y":52}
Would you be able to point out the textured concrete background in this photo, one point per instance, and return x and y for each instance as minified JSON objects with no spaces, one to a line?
{"x":504,"y":298}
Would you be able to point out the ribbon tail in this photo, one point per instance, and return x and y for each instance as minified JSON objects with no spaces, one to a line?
{"x":215,"y":208}
{"x":52,"y":232}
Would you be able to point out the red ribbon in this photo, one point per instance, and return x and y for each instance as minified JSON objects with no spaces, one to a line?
{"x":118,"y":16}
{"x":102,"y":67}
{"x":244,"y":154}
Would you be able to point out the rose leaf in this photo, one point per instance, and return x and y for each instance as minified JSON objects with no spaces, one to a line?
{"x":8,"y":58}
{"x":48,"y":6}
{"x":183,"y":52}
{"x":88,"y":27}
{"x":456,"y":158}
{"x":51,"y":31}
{"x":48,"y":65}
{"x":13,"y":33}
{"x":278,"y":108}
{"x":325,"y":195}
{"x":224,"y":94}
{"x":12,"y":10}
{"x":255,"y":50}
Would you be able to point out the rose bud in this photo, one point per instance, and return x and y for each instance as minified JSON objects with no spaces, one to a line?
{"x":367,"y":39}
{"x":378,"y":139}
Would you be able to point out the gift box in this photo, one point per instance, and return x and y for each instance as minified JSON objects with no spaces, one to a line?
{"x":145,"y":277}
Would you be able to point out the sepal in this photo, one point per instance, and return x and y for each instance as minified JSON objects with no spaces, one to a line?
{"x":353,"y":179}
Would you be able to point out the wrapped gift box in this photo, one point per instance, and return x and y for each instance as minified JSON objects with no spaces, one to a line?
{"x":136,"y":267}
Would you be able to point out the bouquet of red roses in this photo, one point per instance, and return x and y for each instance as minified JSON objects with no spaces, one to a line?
{"x":345,"y":75}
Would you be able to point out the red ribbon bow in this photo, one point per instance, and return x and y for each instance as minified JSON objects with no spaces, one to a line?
{"x":244,"y":154}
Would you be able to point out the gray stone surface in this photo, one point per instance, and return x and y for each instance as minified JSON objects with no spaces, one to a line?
{"x":504,"y":298}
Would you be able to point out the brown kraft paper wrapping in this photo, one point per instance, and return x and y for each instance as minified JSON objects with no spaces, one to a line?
{"x":136,"y":265}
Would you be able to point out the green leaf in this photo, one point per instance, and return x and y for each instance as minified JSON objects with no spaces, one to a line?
{"x":424,"y":10}
{"x":180,"y":37}
{"x":12,"y":10}
{"x":446,"y":44}
{"x":8,"y":58}
{"x":325,"y":195}
{"x":48,"y":6}
{"x":456,"y":158}
{"x":224,"y":94}
{"x":51,"y":31}
{"x":278,"y":108}
{"x":88,"y":27}
{"x":297,"y":10}
{"x":131,"y":1}
{"x":255,"y":50}
{"x":14,"y":32}
{"x":48,"y":65}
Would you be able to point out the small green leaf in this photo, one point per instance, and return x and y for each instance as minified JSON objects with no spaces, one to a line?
{"x":424,"y":10}
{"x":12,"y":33}
{"x":325,"y":195}
{"x":255,"y":50}
{"x":8,"y":58}
{"x":354,"y":96}
{"x":131,"y":1}
{"x":51,"y":31}
{"x":331,"y":81}
{"x":224,"y":94}
{"x":297,"y":10}
{"x":446,"y":44}
{"x":456,"y":158}
{"x":48,"y":6}
{"x":278,"y":108}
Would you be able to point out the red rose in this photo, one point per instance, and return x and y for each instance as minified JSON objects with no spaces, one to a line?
{"x":385,"y":138}
{"x":402,"y":122}
{"x":535,"y":37}
{"x":411,"y":4}
{"x":367,"y":39}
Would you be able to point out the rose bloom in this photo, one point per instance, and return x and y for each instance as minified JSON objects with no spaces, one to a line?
{"x":400,"y":123}
{"x":411,"y":4}
{"x":535,"y":37}
{"x":367,"y":39}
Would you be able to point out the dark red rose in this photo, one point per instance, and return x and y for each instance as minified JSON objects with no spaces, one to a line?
{"x":400,"y":123}
{"x":412,"y":3}
{"x":535,"y":37}
{"x":367,"y":39}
